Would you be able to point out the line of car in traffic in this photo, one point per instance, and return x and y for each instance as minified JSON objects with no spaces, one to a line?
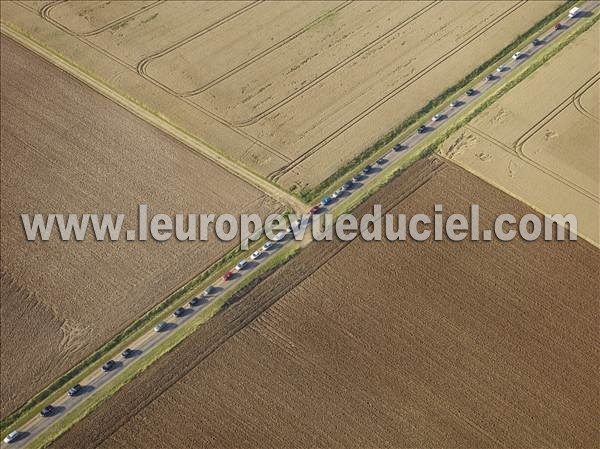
{"x":77,"y":389}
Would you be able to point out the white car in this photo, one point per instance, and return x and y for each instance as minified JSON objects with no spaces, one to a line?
{"x":279,"y":237}
{"x":12,"y":436}
{"x":241,"y":265}
{"x":517,"y":55}
{"x":268,"y":244}
{"x":256,"y":254}
{"x":501,"y":69}
{"x":437,"y":117}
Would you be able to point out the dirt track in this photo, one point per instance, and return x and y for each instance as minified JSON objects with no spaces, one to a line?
{"x":386,"y":345}
{"x":67,"y":149}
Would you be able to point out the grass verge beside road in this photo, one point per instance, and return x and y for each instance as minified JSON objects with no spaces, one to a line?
{"x":383,"y":143}
{"x":183,"y":331}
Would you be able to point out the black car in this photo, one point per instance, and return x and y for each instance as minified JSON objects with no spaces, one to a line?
{"x":179,"y":312}
{"x":471,"y":92}
{"x":490,"y":77}
{"x":422,"y":129}
{"x":47,"y":411}
{"x":108,"y":366}
{"x":398,"y":147}
{"x":381,"y":161}
{"x":74,"y":390}
{"x":367,"y":169}
{"x":194,"y":301}
{"x":348,"y":185}
{"x":537,"y":42}
{"x":127,"y":353}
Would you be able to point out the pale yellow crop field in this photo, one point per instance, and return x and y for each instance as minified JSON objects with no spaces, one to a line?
{"x":290,"y":90}
{"x":540,"y":142}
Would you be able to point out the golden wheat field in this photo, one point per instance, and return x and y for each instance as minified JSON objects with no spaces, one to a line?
{"x":291,"y":90}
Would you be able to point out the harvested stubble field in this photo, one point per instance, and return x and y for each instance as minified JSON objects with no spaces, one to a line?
{"x":539,"y":142}
{"x":292,"y":90}
{"x":67,"y":149}
{"x":355,"y":345}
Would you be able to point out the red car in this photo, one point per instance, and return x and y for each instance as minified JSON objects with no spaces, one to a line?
{"x":558,"y":26}
{"x":314,"y":210}
{"x":227,"y":275}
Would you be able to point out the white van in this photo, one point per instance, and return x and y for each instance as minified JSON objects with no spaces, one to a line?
{"x":574,"y":12}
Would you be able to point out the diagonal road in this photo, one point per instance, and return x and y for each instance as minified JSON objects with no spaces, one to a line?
{"x":38,"y":426}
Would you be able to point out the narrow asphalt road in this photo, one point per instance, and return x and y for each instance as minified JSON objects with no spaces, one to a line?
{"x":143,"y":344}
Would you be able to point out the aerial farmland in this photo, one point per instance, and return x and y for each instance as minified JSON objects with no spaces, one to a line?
{"x":387,"y":344}
{"x":473,"y":125}
{"x":290,"y":90}
{"x":61,"y":300}
{"x":545,"y":153}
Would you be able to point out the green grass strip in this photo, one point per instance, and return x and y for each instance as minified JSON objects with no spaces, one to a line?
{"x":310,"y":195}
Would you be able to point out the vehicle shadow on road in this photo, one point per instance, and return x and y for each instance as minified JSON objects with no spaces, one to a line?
{"x":58,"y":410}
{"x":22,"y":436}
{"x":169,"y":327}
{"x":135,"y":353}
{"x":86,"y":389}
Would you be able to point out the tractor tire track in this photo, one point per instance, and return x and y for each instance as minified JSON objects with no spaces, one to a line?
{"x":44,"y":13}
{"x":48,"y":7}
{"x":324,"y":75}
{"x":277,"y":174}
{"x":579,"y":105}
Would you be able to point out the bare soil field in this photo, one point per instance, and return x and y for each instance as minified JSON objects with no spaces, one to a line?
{"x":546,"y":151}
{"x":388,"y":344}
{"x":67,"y":149}
{"x":290,"y":90}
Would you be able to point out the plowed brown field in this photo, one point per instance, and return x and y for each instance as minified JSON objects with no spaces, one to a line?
{"x":362,"y":345}
{"x":67,"y":149}
{"x":291,"y":90}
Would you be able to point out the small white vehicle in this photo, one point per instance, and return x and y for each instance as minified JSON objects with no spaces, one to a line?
{"x":437,"y":117}
{"x":518,"y":55}
{"x":268,"y":244}
{"x":501,"y":69}
{"x":12,"y":436}
{"x":241,"y":265}
{"x":256,"y":254}
{"x":574,"y":12}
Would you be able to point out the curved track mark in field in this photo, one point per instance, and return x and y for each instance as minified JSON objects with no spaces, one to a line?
{"x":43,"y":13}
{"x":529,"y":133}
{"x":277,"y":174}
{"x":324,"y":75}
{"x":142,"y":66}
{"x":515,"y":152}
{"x":46,"y":10}
{"x":256,"y":313}
{"x":579,"y":105}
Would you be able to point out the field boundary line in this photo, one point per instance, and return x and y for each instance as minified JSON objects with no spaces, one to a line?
{"x":277,"y":174}
{"x":383,"y":144}
{"x":132,"y":69}
{"x":539,"y":61}
{"x":184,"y":331}
{"x":156,"y":119}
